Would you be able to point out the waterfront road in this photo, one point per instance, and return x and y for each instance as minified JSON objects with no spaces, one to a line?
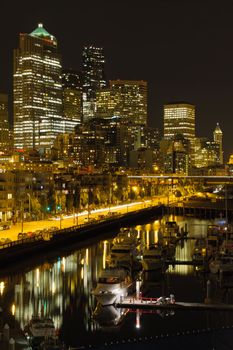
{"x":65,"y":221}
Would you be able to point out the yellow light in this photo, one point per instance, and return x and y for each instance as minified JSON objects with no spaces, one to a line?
{"x":2,"y":286}
{"x":53,"y":287}
{"x":104,"y":254}
{"x":37,"y":277}
{"x":13,"y":309}
{"x":87,"y":256}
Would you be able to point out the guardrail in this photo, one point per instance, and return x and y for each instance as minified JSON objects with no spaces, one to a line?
{"x":50,"y":235}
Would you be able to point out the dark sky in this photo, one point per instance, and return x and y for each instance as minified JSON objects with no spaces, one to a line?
{"x":183,"y":48}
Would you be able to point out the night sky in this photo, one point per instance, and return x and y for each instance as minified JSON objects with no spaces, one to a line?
{"x":183,"y":48}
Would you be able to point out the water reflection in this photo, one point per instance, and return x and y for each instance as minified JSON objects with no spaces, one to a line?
{"x":62,"y":289}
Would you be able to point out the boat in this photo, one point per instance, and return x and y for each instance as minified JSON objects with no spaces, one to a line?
{"x":52,"y":344}
{"x":38,"y":329}
{"x":171,"y":231}
{"x":221,"y":263}
{"x":125,"y":252}
{"x":171,"y":228}
{"x":152,"y":258}
{"x":113,"y":284}
{"x":199,"y":252}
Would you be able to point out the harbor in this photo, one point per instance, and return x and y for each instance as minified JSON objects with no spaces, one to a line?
{"x":69,"y":281}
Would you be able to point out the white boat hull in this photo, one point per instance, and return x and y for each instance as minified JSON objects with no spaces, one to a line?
{"x":108,"y":297}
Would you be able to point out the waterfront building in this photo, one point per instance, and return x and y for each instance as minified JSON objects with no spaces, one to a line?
{"x":72,"y":99}
{"x":37,"y":91}
{"x":4,"y":123}
{"x":6,"y":195}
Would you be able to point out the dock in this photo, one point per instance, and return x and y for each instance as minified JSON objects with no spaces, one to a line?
{"x":152,"y":303}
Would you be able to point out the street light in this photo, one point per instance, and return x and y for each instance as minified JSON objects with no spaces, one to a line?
{"x":29,"y":203}
{"x":22,"y":213}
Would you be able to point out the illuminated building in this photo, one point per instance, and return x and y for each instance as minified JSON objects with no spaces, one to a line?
{"x":130,"y":99}
{"x":176,"y":160}
{"x":72,"y":99}
{"x":6,"y":195}
{"x":4,"y":123}
{"x":179,"y":118}
{"x":93,"y":78}
{"x":93,"y":70}
{"x":106,"y":102}
{"x":218,"y":139}
{"x":37,"y":91}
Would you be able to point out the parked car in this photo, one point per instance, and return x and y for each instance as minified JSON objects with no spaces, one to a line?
{"x":4,"y":240}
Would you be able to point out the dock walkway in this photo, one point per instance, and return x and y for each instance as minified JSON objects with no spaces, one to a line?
{"x":152,"y":303}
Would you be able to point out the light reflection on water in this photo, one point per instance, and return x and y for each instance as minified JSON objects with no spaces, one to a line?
{"x":62,"y":289}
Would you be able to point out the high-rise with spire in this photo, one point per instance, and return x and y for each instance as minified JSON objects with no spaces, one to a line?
{"x":37,"y":91}
{"x":218,"y":136}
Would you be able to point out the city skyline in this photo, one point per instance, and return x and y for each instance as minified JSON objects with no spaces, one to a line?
{"x":180,"y":49}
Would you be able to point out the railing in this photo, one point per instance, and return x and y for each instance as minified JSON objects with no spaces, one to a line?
{"x":43,"y":236}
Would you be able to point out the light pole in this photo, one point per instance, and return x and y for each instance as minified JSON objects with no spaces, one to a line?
{"x":29,"y":204}
{"x":22,"y":214}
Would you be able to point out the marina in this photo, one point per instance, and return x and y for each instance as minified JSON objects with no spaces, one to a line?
{"x":113,"y":290}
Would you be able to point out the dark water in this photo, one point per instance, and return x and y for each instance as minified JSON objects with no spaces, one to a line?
{"x":62,"y":290}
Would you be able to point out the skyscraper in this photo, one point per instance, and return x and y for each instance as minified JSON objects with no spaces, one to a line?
{"x":179,"y":118}
{"x":37,"y":91}
{"x":218,"y":139}
{"x":93,"y":78}
{"x":72,"y":99}
{"x":126,"y":99}
{"x":93,"y":71}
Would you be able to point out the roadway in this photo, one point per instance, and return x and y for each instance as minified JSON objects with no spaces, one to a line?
{"x":65,"y":221}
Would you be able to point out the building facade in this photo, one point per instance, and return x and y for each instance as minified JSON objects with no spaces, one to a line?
{"x":93,"y":64}
{"x":93,"y":70}
{"x":37,"y":91}
{"x":4,"y":123}
{"x":179,"y":118}
{"x":218,"y":136}
{"x":72,"y":99}
{"x":130,"y":98}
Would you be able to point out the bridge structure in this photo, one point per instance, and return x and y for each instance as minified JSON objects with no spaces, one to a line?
{"x":209,"y":179}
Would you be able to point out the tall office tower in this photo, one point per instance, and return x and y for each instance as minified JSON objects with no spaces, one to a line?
{"x":72,"y":99}
{"x":179,"y":118}
{"x":4,"y":123}
{"x":37,"y":91}
{"x":131,"y":100}
{"x":218,"y":139}
{"x":93,"y":70}
{"x":106,"y":102}
{"x":93,"y":78}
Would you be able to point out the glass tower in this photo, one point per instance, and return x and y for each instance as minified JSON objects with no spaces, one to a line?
{"x":37,"y":91}
{"x":93,"y":70}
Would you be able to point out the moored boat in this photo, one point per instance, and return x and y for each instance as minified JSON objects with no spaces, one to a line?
{"x":113,"y":284}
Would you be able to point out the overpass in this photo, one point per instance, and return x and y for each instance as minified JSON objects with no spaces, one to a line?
{"x":196,"y":178}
